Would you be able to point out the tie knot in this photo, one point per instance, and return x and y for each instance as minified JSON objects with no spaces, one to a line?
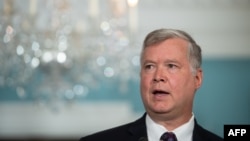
{"x":168,"y":136}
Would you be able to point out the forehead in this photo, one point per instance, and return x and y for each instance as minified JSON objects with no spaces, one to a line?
{"x":169,"y":47}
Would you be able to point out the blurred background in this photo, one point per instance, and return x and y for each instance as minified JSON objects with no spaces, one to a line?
{"x":69,"y":68}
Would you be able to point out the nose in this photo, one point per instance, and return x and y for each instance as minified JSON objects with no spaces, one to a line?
{"x":159,"y":76}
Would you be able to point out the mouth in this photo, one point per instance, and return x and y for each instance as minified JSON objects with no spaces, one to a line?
{"x":160,"y":92}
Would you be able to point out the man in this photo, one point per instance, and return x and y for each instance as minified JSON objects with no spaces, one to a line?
{"x":170,"y":75}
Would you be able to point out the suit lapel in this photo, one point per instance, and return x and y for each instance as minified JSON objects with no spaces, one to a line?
{"x":138,"y":129}
{"x":199,"y":132}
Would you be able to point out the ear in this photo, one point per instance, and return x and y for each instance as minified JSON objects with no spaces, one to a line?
{"x":198,"y":78}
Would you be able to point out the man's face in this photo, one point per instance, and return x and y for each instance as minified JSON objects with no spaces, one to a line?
{"x":167,"y":83}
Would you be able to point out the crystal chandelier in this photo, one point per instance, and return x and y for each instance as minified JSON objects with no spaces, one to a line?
{"x":57,"y":51}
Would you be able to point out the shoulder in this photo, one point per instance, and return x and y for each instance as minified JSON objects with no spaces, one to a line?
{"x":123,"y":132}
{"x":201,"y":133}
{"x":115,"y":132}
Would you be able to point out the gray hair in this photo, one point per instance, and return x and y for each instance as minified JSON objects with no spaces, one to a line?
{"x":161,"y":35}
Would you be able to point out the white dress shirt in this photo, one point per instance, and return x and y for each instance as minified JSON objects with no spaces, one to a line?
{"x":183,"y":132}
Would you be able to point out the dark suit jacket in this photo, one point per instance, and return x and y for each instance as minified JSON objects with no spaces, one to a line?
{"x":136,"y":131}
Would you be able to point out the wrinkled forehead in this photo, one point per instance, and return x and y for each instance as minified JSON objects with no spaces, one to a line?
{"x":169,"y":47}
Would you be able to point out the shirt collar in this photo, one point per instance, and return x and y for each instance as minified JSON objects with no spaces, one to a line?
{"x":183,"y":132}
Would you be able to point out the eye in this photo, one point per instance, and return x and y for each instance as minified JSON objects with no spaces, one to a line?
{"x":171,"y":66}
{"x":149,"y":66}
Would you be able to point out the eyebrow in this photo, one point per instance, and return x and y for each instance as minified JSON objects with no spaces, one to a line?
{"x":166,"y":61}
{"x":148,"y":61}
{"x":171,"y":61}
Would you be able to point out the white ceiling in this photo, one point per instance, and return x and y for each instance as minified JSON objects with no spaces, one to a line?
{"x":221,"y":27}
